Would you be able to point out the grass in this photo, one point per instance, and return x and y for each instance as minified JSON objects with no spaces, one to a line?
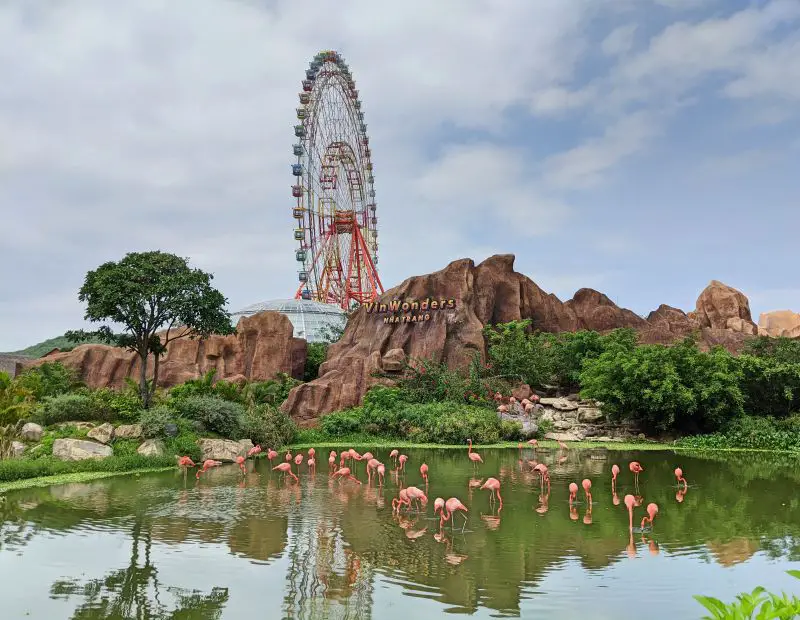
{"x":79,"y":476}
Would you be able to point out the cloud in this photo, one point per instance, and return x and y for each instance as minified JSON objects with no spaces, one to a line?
{"x":619,"y":41}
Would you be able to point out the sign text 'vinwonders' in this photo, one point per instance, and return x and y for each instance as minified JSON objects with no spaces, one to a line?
{"x":409,"y":311}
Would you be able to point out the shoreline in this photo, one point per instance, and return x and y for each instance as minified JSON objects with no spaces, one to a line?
{"x":78,"y":476}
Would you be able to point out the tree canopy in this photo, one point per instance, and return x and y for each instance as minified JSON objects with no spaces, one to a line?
{"x":146,"y":293}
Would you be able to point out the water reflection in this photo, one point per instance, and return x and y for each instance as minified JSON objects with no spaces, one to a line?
{"x":337,"y":548}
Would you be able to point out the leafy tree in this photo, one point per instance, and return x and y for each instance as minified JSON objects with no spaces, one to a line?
{"x":771,"y":386}
{"x":517,"y":354}
{"x":315,"y":356}
{"x":145,"y":293}
{"x":786,"y":350}
{"x":15,"y":400}
{"x":49,"y":379}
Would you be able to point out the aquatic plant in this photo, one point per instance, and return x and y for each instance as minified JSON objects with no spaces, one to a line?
{"x":757,"y":605}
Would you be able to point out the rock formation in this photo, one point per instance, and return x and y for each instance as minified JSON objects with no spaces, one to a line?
{"x":262,"y":346}
{"x":492,"y":292}
{"x":779,"y":323}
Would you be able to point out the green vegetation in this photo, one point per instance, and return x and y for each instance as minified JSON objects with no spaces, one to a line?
{"x":80,"y":476}
{"x":146,"y":293}
{"x":62,"y":343}
{"x":757,"y":605}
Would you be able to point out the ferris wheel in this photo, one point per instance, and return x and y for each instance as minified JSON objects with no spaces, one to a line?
{"x":335,"y":209}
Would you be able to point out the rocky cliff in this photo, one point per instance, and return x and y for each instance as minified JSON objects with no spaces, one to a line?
{"x":779,"y":323}
{"x":262,"y":346}
{"x":492,"y":292}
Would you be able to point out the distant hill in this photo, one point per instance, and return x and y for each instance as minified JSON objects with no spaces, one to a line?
{"x":59,"y":342}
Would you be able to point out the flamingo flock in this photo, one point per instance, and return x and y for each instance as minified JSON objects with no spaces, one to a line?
{"x":412,"y":498}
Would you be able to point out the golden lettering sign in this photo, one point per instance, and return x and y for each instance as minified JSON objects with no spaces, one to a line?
{"x":409,"y":311}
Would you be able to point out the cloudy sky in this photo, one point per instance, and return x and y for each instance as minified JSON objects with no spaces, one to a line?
{"x":639,"y":147}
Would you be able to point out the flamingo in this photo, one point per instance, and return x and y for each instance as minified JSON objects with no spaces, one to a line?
{"x":587,"y":485}
{"x":288,"y":456}
{"x":311,"y":453}
{"x":415,"y":494}
{"x":423,"y":469}
{"x":438,"y":506}
{"x":271,"y":455}
{"x":680,"y":478}
{"x":614,"y":474}
{"x":545,"y":474}
{"x":286,"y":468}
{"x":629,"y":503}
{"x":312,"y":464}
{"x":652,"y":511}
{"x":344,"y":472}
{"x":401,"y":462}
{"x":381,"y":473}
{"x":332,"y":460}
{"x":573,"y":494}
{"x":473,"y":456}
{"x":367,"y":456}
{"x":452,"y":505}
{"x":562,"y":445}
{"x":393,"y":455}
{"x":636,"y":468}
{"x":240,"y":462}
{"x":207,"y":464}
{"x":534,"y":443}
{"x":253,"y":451}
{"x":297,"y":461}
{"x":402,"y":499}
{"x":493,"y":485}
{"x":371,"y":464}
{"x":185,"y":463}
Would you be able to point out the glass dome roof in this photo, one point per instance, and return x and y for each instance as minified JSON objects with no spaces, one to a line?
{"x":311,"y":319}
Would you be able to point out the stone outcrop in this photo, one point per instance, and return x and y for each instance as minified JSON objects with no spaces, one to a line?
{"x":31,"y":432}
{"x":80,"y":450}
{"x":492,"y":292}
{"x":779,"y":323}
{"x":103,"y":433}
{"x":223,"y":450}
{"x":262,"y":346}
{"x":128,"y":431}
{"x":151,"y":447}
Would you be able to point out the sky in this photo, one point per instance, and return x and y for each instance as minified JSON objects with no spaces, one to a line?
{"x":638,"y":147}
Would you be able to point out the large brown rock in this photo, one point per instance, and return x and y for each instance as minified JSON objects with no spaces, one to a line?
{"x":492,"y":292}
{"x":779,"y":323}
{"x":262,"y":346}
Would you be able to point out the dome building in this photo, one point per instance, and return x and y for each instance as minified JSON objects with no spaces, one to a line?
{"x":312,"y":320}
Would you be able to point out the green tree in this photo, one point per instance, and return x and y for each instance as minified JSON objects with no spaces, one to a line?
{"x":517,"y":354}
{"x":146,"y":293}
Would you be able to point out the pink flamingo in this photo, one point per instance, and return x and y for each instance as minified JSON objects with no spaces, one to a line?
{"x":185,"y":463}
{"x":312,"y":464}
{"x":367,"y":456}
{"x":614,"y":474}
{"x":253,"y":451}
{"x":240,"y":462}
{"x":286,"y":468}
{"x":371,"y":464}
{"x":401,"y":462}
{"x":402,"y":499}
{"x":541,"y":468}
{"x":473,"y":456}
{"x":587,"y":486}
{"x":630,"y":501}
{"x":533,"y":443}
{"x":393,"y":455}
{"x":652,"y":511}
{"x":332,"y":461}
{"x":381,"y":473}
{"x":438,"y":506}
{"x":207,"y":464}
{"x":562,"y":445}
{"x":423,"y":469}
{"x":452,"y":505}
{"x":679,"y":476}
{"x":271,"y":455}
{"x":311,"y":453}
{"x":493,"y":486}
{"x":288,"y":456}
{"x":344,"y":472}
{"x":636,"y":468}
{"x":415,"y":494}
{"x":573,"y":492}
{"x":298,"y":461}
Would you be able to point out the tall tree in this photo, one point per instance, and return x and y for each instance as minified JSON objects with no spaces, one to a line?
{"x":147,"y":293}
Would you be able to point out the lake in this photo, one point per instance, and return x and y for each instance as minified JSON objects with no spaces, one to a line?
{"x":159,"y":546}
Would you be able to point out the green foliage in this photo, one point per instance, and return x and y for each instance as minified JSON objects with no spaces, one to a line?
{"x":215,"y":414}
{"x":71,"y":408}
{"x":770,"y":385}
{"x":757,"y":605}
{"x":386,"y":413}
{"x":147,"y":292}
{"x":9,"y":433}
{"x":749,"y":432}
{"x":122,"y":405}
{"x":268,"y":427}
{"x":155,"y":420}
{"x":22,"y":469}
{"x":62,"y":343}
{"x":785,"y":350}
{"x":315,"y":356}
{"x":665,"y":388}
{"x":49,"y":379}
{"x":15,"y":401}
{"x":425,"y":381}
{"x":271,"y":393}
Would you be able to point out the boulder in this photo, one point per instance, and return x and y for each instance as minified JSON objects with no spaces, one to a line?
{"x":81,"y":426}
{"x":779,"y":323}
{"x":223,"y":450}
{"x":17,"y":449}
{"x":561,"y":404}
{"x":151,"y":447}
{"x":80,"y":449}
{"x":246,"y":445}
{"x":262,"y":346}
{"x":563,"y":425}
{"x":563,"y":436}
{"x":103,"y":433}
{"x":394,"y":360}
{"x":31,"y":432}
{"x":128,"y":431}
{"x":720,"y":306}
{"x":590,"y":415}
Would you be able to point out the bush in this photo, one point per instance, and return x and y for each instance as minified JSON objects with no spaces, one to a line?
{"x":206,"y":386}
{"x":215,"y":414}
{"x":69,"y":408}
{"x":756,"y":604}
{"x":771,"y":387}
{"x":268,"y":427}
{"x":124,"y":406}
{"x":155,"y":420}
{"x":315,"y":355}
{"x":49,"y":379}
{"x":272,"y":392}
{"x":755,"y":433}
{"x":15,"y":401}
{"x":22,"y":469}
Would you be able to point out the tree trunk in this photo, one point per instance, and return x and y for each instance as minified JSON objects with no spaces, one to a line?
{"x":156,"y":359}
{"x":143,"y":391}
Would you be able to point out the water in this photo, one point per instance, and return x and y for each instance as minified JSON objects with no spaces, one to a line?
{"x":158,"y":547}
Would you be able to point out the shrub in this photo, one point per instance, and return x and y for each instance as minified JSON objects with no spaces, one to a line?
{"x":15,"y":401}
{"x":315,"y":355}
{"x":71,"y":407}
{"x":155,"y":420}
{"x":49,"y":379}
{"x":756,"y":433}
{"x":756,"y":604}
{"x":22,"y":469}
{"x":272,"y":392}
{"x":217,"y":415}
{"x":206,"y":386}
{"x":124,"y":406}
{"x":185,"y":444}
{"x":425,"y":381}
{"x":770,"y":386}
{"x":268,"y":427}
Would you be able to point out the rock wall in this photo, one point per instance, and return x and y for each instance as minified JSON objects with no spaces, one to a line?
{"x":779,"y":323}
{"x":492,"y":292}
{"x":262,"y":346}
